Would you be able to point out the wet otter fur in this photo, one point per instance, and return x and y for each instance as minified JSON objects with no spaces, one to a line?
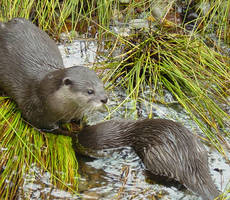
{"x":33,"y":74}
{"x":166,"y":148}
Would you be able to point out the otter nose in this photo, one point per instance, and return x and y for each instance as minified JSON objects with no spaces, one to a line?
{"x":104,"y":100}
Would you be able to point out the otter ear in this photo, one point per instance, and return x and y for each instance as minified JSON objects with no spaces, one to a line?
{"x":67,"y":81}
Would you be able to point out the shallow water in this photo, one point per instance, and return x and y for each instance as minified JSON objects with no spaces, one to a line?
{"x":120,"y":174}
{"x":79,"y":52}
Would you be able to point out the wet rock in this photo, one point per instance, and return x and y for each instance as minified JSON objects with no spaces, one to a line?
{"x":121,"y":31}
{"x":157,"y":12}
{"x":138,"y":23}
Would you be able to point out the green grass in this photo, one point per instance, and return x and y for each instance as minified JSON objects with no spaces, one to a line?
{"x":216,"y":20}
{"x":196,"y":75}
{"x":23,"y":147}
{"x":55,"y":16}
{"x":50,"y":15}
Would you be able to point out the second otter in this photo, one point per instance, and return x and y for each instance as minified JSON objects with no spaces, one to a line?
{"x":166,"y":148}
{"x":33,"y":74}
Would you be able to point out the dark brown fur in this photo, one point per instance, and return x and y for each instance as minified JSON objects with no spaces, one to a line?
{"x":33,"y":74}
{"x":166,"y":148}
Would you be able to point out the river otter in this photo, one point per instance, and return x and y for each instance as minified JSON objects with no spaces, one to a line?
{"x":33,"y":74}
{"x":166,"y":148}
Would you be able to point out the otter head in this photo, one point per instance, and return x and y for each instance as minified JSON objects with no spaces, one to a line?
{"x":80,"y":91}
{"x":85,"y":87}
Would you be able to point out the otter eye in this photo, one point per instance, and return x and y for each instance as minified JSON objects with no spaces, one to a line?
{"x":90,"y":91}
{"x":67,"y":81}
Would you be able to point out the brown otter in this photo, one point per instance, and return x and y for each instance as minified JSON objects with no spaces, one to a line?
{"x":166,"y":148}
{"x":33,"y":74}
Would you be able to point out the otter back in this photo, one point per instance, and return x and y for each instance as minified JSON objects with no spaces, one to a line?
{"x":26,"y":54}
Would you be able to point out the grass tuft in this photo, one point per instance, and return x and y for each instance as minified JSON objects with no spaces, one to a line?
{"x":23,"y":147}
{"x":196,"y":75}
